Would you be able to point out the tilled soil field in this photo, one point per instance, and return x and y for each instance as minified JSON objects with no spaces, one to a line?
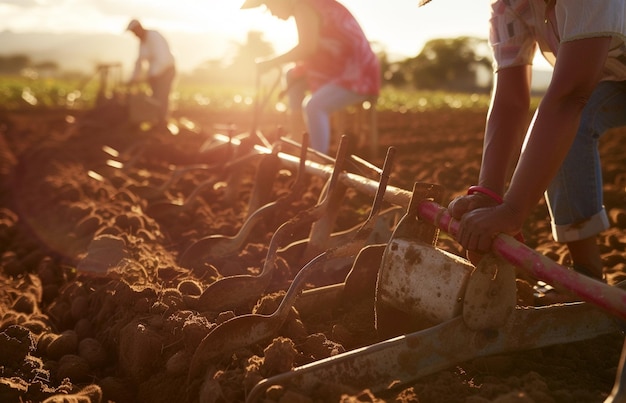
{"x":102,"y":300}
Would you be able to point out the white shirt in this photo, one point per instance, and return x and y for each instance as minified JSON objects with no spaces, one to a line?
{"x":155,"y":51}
{"x":519,"y":26}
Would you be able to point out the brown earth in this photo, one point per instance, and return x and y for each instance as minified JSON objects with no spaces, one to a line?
{"x":95,"y":305}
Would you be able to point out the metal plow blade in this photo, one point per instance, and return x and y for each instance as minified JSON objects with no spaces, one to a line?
{"x":406,"y":358}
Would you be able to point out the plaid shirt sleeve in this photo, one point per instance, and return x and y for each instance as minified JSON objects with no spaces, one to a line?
{"x":512,"y":41}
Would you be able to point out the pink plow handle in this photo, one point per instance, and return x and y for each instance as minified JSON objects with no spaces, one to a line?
{"x":606,"y":297}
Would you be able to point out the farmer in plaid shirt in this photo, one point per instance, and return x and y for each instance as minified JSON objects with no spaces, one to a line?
{"x":585,"y":42}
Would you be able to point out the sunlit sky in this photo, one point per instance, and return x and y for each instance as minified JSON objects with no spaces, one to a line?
{"x":399,"y":27}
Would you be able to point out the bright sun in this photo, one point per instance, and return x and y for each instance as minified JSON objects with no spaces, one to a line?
{"x":227,"y":19}
{"x":281,"y":34}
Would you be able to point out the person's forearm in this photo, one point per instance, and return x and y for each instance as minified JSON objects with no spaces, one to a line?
{"x":307,"y":23}
{"x":291,"y":56}
{"x":577,"y":71}
{"x":501,"y":147}
{"x":507,"y":122}
{"x":550,"y":139}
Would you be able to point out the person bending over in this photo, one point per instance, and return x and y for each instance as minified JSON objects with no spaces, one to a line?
{"x":333,"y":61}
{"x":155,"y":63}
{"x":558,"y":152}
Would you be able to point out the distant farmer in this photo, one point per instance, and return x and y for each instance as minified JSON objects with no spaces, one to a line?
{"x":333,"y":60}
{"x":156,"y":65}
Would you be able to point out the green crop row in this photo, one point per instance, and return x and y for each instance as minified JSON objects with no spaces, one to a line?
{"x":23,"y":92}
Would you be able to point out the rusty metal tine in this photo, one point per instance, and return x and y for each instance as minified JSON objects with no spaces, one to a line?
{"x":410,"y":226}
{"x":299,"y":182}
{"x":264,"y":179}
{"x":307,"y":215}
{"x":321,"y":231}
{"x":220,"y":245}
{"x":219,"y":294}
{"x":384,"y":223}
{"x":385,"y":174}
{"x":407,"y":358}
{"x":367,"y":227}
{"x":321,"y":242}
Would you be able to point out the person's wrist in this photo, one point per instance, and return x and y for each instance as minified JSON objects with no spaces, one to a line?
{"x":482,"y":190}
{"x":476,"y":189}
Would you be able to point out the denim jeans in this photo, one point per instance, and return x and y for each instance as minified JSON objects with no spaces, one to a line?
{"x":574,"y":197}
{"x":318,"y":107}
{"x":161,"y":86}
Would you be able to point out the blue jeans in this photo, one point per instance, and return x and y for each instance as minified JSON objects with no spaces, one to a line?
{"x":318,"y":107}
{"x":574,"y":197}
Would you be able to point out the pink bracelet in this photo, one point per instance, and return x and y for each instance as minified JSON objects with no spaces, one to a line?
{"x":487,"y":192}
{"x":495,"y":197}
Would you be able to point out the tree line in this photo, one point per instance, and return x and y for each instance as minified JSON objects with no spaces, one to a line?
{"x":451,"y":64}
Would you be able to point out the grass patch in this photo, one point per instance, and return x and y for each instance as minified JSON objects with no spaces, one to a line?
{"x":23,"y":92}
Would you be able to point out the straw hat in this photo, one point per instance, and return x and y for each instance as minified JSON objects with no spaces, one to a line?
{"x":133,"y":24}
{"x":252,"y":4}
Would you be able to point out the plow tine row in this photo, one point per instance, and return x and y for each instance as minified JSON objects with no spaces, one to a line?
{"x":606,"y":297}
{"x":219,"y":295}
{"x":611,"y":299}
{"x":218,"y":246}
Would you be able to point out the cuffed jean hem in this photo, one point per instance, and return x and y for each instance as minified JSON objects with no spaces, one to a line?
{"x":575,"y":232}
